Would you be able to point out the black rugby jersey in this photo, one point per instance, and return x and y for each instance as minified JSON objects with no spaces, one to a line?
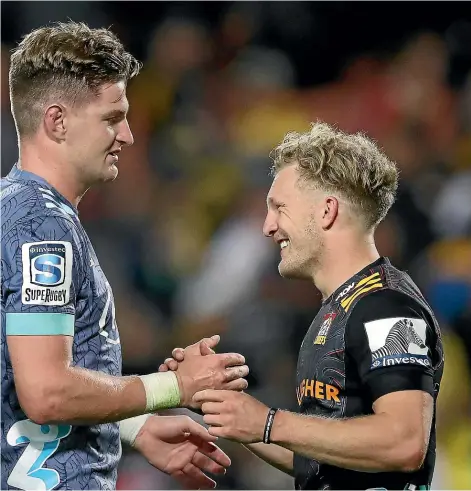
{"x":376,"y":334}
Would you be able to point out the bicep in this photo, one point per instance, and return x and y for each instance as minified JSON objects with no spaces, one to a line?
{"x":38,"y":362}
{"x":410,"y":411}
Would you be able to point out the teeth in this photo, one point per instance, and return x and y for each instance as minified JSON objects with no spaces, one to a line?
{"x":284,"y":243}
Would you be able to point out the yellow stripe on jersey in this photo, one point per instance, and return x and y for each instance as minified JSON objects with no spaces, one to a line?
{"x":374,"y":276}
{"x":369,"y":280}
{"x":368,"y":284}
{"x":359,"y":292}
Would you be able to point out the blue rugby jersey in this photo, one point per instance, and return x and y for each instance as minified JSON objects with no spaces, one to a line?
{"x":52,"y":284}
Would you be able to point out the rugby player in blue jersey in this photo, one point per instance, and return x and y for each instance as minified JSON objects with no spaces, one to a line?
{"x":65,"y":406}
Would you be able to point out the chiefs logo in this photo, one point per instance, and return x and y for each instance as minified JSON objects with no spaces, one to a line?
{"x":324,"y":329}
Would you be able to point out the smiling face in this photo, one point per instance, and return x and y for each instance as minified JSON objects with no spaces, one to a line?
{"x":291,"y":222}
{"x":95,"y":133}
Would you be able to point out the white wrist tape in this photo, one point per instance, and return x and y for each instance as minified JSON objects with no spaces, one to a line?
{"x":129,"y":428}
{"x":162,"y":391}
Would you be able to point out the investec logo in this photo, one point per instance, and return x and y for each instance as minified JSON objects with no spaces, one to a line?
{"x":46,"y":249}
{"x":317,"y":390}
{"x":389,"y":361}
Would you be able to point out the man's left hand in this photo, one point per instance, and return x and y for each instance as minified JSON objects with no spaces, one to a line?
{"x":182,"y":448}
{"x":233,"y":415}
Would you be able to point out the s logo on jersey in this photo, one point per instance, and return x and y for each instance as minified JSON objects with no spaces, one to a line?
{"x":47,"y":273}
{"x":48,"y":269}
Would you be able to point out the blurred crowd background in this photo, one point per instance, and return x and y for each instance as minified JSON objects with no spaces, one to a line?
{"x":179,"y":233}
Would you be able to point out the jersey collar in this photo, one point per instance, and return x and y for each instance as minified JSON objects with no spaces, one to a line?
{"x":334,"y":296}
{"x":17,"y":174}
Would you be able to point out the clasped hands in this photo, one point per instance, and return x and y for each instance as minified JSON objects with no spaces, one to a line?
{"x":181,"y":447}
{"x":228,"y":411}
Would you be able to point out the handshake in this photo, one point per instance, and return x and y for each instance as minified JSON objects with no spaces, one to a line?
{"x":213,"y":384}
{"x":198,"y":367}
{"x":210,"y":383}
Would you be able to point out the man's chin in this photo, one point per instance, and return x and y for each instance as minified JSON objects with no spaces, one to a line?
{"x":111,"y":173}
{"x":291,"y":272}
{"x":287,"y":271}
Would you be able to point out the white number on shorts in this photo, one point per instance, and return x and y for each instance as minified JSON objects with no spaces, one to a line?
{"x":43,"y":441}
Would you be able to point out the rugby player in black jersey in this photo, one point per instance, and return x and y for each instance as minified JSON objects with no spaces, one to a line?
{"x":370,"y":365}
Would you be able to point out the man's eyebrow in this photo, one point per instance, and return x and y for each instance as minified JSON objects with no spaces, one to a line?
{"x":273,"y":202}
{"x":115,"y":113}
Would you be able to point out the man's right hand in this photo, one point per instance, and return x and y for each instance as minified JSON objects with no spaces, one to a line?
{"x":198,"y":367}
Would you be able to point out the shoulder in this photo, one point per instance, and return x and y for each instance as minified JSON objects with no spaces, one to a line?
{"x":386,"y":302}
{"x":388,"y":314}
{"x":18,"y":198}
{"x":29,"y":210}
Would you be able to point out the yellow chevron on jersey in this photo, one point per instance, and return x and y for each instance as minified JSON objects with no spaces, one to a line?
{"x":363,"y":286}
{"x":368,"y":280}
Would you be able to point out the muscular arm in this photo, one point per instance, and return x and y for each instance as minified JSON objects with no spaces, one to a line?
{"x":395,"y":438}
{"x":51,"y":390}
{"x":279,"y":457}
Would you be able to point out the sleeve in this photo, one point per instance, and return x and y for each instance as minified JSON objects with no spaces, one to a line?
{"x":388,"y":339}
{"x":42,"y":273}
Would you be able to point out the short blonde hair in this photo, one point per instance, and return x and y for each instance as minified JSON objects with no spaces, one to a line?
{"x":351,"y":165}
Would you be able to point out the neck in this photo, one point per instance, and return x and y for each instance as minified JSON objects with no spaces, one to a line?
{"x":40,"y":161}
{"x":342,"y":260}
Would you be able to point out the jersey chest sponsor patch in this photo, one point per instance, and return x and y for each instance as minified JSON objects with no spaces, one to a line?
{"x":47,"y":273}
{"x":397,"y":341}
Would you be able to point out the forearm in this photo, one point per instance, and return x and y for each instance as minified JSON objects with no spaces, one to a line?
{"x":129,"y":428}
{"x":277,"y":456}
{"x":81,"y":396}
{"x":370,"y":444}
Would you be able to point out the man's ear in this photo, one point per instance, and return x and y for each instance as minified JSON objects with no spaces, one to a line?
{"x":55,"y":122}
{"x":330,"y":212}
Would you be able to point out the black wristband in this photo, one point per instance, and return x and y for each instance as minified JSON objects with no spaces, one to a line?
{"x":269,"y":424}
